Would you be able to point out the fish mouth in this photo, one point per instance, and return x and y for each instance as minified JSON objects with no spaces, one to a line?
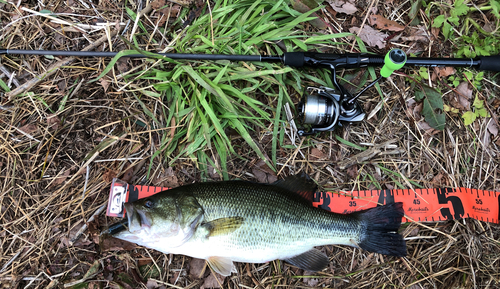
{"x":137,"y":219}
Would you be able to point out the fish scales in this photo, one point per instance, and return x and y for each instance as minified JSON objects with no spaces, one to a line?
{"x":274,"y":218}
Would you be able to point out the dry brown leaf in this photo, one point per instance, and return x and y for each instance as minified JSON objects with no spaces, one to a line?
{"x":60,"y":179}
{"x":29,"y":128}
{"x":492,"y":127}
{"x":316,"y":154}
{"x":109,"y":175}
{"x":489,"y":27}
{"x":343,"y":6}
{"x":53,"y":121}
{"x":104,"y":83}
{"x":464,"y":96}
{"x":417,"y":111}
{"x":440,"y":180}
{"x":171,"y":12}
{"x":385,"y":24}
{"x":122,"y":65}
{"x":419,"y":33}
{"x":263,"y":173}
{"x":445,"y":71}
{"x":424,"y":125}
{"x":112,"y":244}
{"x":370,"y":36}
{"x":61,"y":85}
{"x":152,"y":284}
{"x":166,"y":179}
{"x":196,"y":267}
{"x":157,"y":4}
{"x":318,"y":22}
{"x":352,"y":171}
{"x":213,"y":281}
{"x":81,"y":242}
{"x":128,"y":174}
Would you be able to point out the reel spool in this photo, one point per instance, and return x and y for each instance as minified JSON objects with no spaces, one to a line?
{"x":323,"y":109}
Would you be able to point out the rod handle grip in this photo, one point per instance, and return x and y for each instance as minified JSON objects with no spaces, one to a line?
{"x":293,"y":59}
{"x":491,"y":63}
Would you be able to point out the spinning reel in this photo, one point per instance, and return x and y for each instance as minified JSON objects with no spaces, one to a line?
{"x":326,"y":108}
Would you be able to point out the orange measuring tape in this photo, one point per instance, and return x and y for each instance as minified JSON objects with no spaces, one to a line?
{"x":423,"y":205}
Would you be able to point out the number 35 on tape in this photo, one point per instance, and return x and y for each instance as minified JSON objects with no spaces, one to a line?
{"x":423,"y":205}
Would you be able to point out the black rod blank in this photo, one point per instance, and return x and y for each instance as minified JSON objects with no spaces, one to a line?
{"x":169,"y":55}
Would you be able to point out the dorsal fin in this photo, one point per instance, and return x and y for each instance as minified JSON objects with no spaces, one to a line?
{"x":301,"y":184}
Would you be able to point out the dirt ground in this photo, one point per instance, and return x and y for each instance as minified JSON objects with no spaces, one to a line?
{"x":63,"y":139}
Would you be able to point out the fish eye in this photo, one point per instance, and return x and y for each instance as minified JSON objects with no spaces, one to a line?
{"x":149,"y":204}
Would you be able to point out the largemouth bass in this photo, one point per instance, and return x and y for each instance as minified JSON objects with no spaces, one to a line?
{"x":241,"y":221}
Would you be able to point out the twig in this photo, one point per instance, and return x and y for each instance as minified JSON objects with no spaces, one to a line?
{"x":9,"y":75}
{"x":56,"y":20}
{"x":10,"y":261}
{"x":146,"y":10}
{"x":84,"y":227}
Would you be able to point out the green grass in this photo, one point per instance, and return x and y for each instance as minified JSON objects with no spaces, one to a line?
{"x":206,"y":98}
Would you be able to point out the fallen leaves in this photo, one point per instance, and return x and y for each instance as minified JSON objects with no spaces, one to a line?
{"x":492,"y":127}
{"x":464,"y":95}
{"x":53,"y":121}
{"x":300,"y":6}
{"x":109,"y":175}
{"x":346,"y":7}
{"x":263,"y":173}
{"x":166,"y":179}
{"x":197,"y":268}
{"x":417,"y":34}
{"x":316,"y":154}
{"x":30,"y":128}
{"x":113,"y":244}
{"x":172,"y":11}
{"x":385,"y":24}
{"x":105,"y":84}
{"x":440,"y":180}
{"x":370,"y":36}
{"x":445,"y":71}
{"x":61,"y":178}
{"x":213,"y":281}
{"x":490,"y":132}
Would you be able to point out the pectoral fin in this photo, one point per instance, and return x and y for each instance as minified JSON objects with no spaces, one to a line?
{"x":312,"y":260}
{"x":221,"y":265}
{"x":223,"y":226}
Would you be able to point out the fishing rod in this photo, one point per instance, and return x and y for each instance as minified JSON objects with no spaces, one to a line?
{"x":325,"y":108}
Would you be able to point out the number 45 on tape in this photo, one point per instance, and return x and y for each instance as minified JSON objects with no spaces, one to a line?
{"x":423,"y":205}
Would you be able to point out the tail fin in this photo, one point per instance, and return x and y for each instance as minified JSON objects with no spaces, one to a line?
{"x":382,"y":224}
